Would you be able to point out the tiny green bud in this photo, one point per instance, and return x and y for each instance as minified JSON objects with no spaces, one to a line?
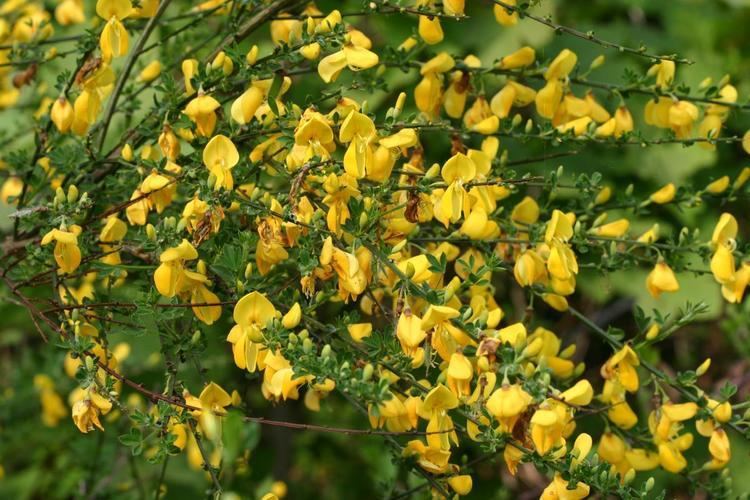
{"x":326,"y":352}
{"x":367,"y":372}
{"x":72,"y":193}
{"x":649,"y":485}
{"x":597,"y":62}
{"x":307,"y":345}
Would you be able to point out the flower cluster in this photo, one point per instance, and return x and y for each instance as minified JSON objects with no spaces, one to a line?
{"x":396,"y":259}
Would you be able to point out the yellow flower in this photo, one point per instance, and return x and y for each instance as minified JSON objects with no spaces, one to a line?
{"x":246,"y":105}
{"x":114,"y":38}
{"x":560,"y":489}
{"x":507,"y":404}
{"x":87,"y":409}
{"x":113,"y":231}
{"x":189,"y":70}
{"x":664,"y":71}
{"x":220,"y":155}
{"x":459,"y":374}
{"x":252,"y":313}
{"x":70,"y":12}
{"x":725,"y":231}
{"x":170,"y":277}
{"x":62,"y":114}
{"x":410,"y":334}
{"x":53,"y":408}
{"x":354,"y":55}
{"x":559,"y":227}
{"x":615,"y":229}
{"x":530,"y":269}
{"x":359,"y":131}
{"x":621,"y":367}
{"x":67,"y":253}
{"x":720,"y":450}
{"x":359,"y":331}
{"x":682,"y":116}
{"x":202,"y":111}
{"x":160,"y":188}
{"x":505,"y":16}
{"x":663,"y":195}
{"x":661,"y":279}
{"x":521,"y":58}
{"x":547,"y":430}
{"x":722,"y":265}
{"x":458,"y":170}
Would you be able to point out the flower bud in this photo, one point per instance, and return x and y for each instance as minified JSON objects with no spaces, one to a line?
{"x":127,"y":153}
{"x":293,"y":317}
{"x":703,"y":368}
{"x":307,"y":345}
{"x":252,"y":55}
{"x":59,"y":196}
{"x":649,"y":484}
{"x":326,"y":351}
{"x":597,"y":62}
{"x":72,"y":194}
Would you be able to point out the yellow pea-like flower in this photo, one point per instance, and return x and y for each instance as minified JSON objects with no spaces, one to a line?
{"x":615,"y":229}
{"x":664,"y":195}
{"x":189,"y":70}
{"x":661,"y":279}
{"x":355,"y":57}
{"x":220,"y":155}
{"x":292,"y":318}
{"x":506,"y":16}
{"x":119,"y":9}
{"x":561,"y":65}
{"x":359,"y":331}
{"x":114,"y":40}
{"x":70,"y":12}
{"x":719,"y":185}
{"x":548,"y":99}
{"x":62,"y":114}
{"x":525,"y":56}
{"x":202,"y":111}
{"x":66,"y":252}
{"x":88,"y":408}
{"x":150,"y":72}
{"x":722,"y":265}
{"x":430,"y":29}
